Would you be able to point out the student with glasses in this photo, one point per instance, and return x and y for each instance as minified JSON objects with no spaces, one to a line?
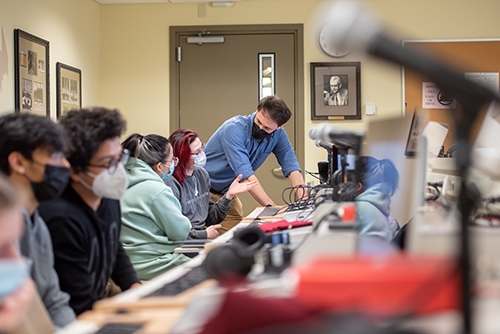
{"x":191,"y":185}
{"x":151,"y":215}
{"x":85,"y":221}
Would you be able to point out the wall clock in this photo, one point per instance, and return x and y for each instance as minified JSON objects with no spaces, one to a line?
{"x":325,"y":44}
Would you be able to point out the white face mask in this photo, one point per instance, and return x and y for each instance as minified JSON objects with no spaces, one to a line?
{"x":199,"y":161}
{"x":109,"y":185}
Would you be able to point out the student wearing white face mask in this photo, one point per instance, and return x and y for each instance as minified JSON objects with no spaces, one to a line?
{"x":191,"y":185}
{"x":151,"y":215}
{"x":85,"y":220}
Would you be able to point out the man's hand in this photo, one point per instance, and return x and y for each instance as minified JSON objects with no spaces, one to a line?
{"x":212,"y":231}
{"x":238,"y":187}
{"x":297,"y":181}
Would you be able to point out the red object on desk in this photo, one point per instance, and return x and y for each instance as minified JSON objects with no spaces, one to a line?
{"x":283,"y":225}
{"x":241,"y":312}
{"x":381,"y":286}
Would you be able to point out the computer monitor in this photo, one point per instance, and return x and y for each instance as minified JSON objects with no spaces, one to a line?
{"x":485,"y":155}
{"x":382,"y":143}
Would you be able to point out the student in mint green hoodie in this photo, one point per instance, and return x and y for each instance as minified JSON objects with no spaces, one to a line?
{"x":378,"y":181}
{"x":151,"y":215}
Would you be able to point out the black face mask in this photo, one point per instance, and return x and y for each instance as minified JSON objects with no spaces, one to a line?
{"x":258,"y":133}
{"x":53,"y":183}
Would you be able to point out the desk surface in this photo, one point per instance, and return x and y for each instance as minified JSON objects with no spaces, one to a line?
{"x":159,"y":314}
{"x":146,"y":310}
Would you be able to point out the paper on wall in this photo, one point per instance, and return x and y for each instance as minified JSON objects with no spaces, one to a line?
{"x":435,"y":133}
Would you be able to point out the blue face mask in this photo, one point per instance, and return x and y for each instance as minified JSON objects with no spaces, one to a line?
{"x":12,"y":275}
{"x":166,"y":176}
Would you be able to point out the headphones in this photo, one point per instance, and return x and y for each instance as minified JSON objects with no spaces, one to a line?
{"x":337,"y":178}
{"x":237,"y":258}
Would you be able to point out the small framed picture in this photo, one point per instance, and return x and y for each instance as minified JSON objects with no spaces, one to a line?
{"x":31,"y":77}
{"x":69,"y":89}
{"x":335,"y":91}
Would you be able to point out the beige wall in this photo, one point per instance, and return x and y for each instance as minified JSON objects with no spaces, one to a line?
{"x":123,"y":52}
{"x":73,"y":29}
{"x":135,"y":54}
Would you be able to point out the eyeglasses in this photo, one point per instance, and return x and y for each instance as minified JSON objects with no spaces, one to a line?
{"x":112,"y":164}
{"x":200,"y":150}
{"x":174,"y":160}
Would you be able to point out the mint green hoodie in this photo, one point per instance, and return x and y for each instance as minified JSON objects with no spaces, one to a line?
{"x":151,"y":219}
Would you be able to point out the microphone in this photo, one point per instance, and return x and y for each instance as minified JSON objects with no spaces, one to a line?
{"x":343,"y":139}
{"x":354,"y":29}
{"x":326,"y":146}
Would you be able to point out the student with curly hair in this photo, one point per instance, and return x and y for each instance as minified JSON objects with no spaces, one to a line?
{"x":191,"y":185}
{"x":151,"y":215}
{"x":85,"y":220}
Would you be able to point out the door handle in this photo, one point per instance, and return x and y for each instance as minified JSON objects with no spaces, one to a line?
{"x":278,"y":173}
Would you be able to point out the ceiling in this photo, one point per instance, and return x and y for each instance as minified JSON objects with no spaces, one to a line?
{"x":155,"y":1}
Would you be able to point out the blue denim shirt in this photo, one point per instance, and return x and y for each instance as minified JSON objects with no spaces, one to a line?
{"x":232,"y":150}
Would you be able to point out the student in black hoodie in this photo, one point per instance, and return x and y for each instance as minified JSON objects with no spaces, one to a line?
{"x":85,"y":220}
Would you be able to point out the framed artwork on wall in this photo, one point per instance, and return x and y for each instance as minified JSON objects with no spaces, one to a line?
{"x":32,"y":74}
{"x":69,"y":88}
{"x":335,"y":91}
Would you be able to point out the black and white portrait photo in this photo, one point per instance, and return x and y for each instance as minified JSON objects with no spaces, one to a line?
{"x":27,"y":95}
{"x":336,"y":92}
{"x":37,"y":96}
{"x":32,"y":63}
{"x":41,"y":65}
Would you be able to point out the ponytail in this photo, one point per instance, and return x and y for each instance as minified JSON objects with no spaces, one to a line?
{"x":151,"y":149}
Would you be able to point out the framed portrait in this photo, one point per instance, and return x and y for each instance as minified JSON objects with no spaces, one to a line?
{"x":32,"y":74}
{"x":69,"y":88}
{"x":335,"y":91}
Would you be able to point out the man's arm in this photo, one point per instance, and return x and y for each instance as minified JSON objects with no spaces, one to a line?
{"x":259,"y":193}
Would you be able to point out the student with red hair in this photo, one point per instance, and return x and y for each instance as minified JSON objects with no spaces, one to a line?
{"x":191,"y":185}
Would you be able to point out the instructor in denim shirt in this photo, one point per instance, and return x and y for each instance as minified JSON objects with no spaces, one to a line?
{"x":242,"y":144}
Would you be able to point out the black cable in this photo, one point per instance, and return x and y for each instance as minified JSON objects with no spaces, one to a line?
{"x":295,"y":203}
{"x":315,"y":175}
{"x":437,"y":186}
